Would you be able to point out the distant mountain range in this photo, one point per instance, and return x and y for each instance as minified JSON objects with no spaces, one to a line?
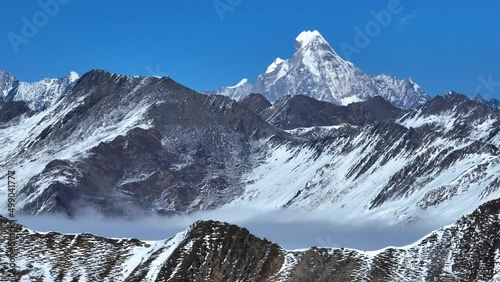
{"x":317,"y":71}
{"x":494,"y":103}
{"x":38,"y":95}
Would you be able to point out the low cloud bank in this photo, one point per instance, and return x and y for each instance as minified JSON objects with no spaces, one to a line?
{"x":290,"y":229}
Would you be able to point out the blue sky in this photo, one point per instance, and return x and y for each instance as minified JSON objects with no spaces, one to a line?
{"x":443,"y":45}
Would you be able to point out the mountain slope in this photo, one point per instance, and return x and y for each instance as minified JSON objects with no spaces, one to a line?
{"x":37,"y":95}
{"x":441,"y":159}
{"x":12,"y":109}
{"x":317,"y":71}
{"x":468,"y":250}
{"x":113,"y":135}
{"x":7,"y":82}
{"x":128,"y":146}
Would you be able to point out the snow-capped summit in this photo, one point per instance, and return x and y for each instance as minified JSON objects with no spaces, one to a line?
{"x":73,"y":76}
{"x":38,"y":95}
{"x":277,"y":62}
{"x":241,"y":83}
{"x":316,"y":70}
{"x":238,"y":91}
{"x":306,"y":38}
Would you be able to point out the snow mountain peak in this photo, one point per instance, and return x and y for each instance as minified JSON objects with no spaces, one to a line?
{"x":38,"y":95}
{"x":309,"y":38}
{"x":73,"y":76}
{"x":317,"y":71}
{"x":241,"y":83}
{"x":277,"y":62}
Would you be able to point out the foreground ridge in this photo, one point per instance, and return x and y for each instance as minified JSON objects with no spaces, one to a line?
{"x":214,"y":251}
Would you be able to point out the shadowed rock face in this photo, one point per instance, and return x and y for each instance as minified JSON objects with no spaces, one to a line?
{"x":255,"y":103}
{"x":493,"y":103}
{"x":214,"y":251}
{"x":297,"y":111}
{"x":459,"y":101}
{"x":12,"y":109}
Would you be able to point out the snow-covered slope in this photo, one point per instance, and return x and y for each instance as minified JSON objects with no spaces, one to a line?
{"x":316,"y":70}
{"x":441,"y":159}
{"x":468,"y":250}
{"x":38,"y":95}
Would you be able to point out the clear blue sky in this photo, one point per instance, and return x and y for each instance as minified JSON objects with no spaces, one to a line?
{"x":443,"y":45}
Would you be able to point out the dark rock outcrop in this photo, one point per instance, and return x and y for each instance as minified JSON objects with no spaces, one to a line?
{"x":296,"y":111}
{"x":12,"y":109}
{"x":255,"y":103}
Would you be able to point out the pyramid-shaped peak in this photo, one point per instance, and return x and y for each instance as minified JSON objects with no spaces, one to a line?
{"x":272,"y":67}
{"x":308,"y":37}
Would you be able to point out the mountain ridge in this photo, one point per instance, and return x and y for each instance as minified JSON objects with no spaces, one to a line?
{"x":291,"y":112}
{"x":38,"y":95}
{"x":468,"y":250}
{"x":114,"y":135}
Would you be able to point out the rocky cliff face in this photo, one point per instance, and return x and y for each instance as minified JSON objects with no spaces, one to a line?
{"x":212,"y":251}
{"x":12,"y":109}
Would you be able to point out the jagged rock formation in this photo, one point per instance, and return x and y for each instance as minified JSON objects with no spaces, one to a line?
{"x":255,"y":103}
{"x":494,"y":103}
